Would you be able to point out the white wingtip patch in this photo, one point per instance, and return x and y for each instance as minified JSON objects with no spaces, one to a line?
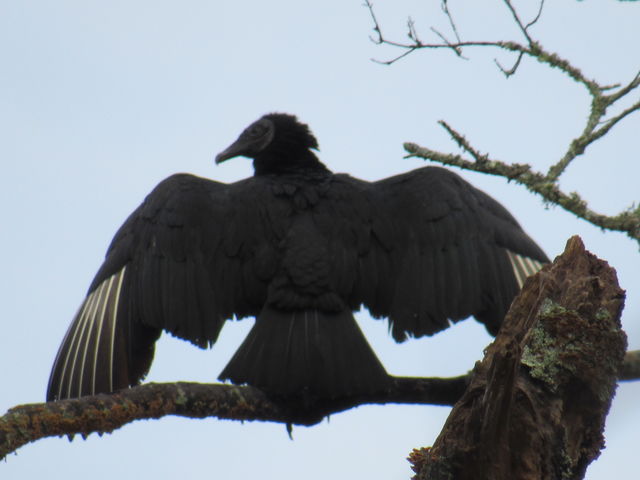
{"x":523,"y":267}
{"x":114,"y":312}
{"x":84,"y":343}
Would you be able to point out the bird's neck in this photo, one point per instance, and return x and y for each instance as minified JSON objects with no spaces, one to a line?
{"x":289,"y":162}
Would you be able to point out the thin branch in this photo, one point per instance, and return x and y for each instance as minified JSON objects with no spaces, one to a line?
{"x":631,"y":366}
{"x":589,"y":135}
{"x":413,"y":34}
{"x":393,"y":60}
{"x":537,"y":17}
{"x":627,"y":221}
{"x":376,"y":25}
{"x":523,"y":29}
{"x":595,"y":128}
{"x":417,"y":44}
{"x":608,"y":124}
{"x":599,"y":101}
{"x":464,"y":144}
{"x":632,"y":85}
{"x":533,"y":50}
{"x":457,"y":50}
{"x":513,"y":69}
{"x":599,"y":105}
{"x":445,"y":9}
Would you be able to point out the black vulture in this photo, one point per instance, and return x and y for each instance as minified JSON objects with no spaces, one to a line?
{"x":299,"y":248}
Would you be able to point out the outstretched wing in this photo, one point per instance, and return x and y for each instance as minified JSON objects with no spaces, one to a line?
{"x":184,"y":262}
{"x":443,"y":251}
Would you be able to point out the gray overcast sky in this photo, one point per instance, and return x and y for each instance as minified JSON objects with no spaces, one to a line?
{"x":99,"y":101}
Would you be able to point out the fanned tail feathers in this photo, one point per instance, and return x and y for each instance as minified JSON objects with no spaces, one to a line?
{"x":309,"y":353}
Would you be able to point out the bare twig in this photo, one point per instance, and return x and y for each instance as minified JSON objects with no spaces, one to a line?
{"x":632,"y":85}
{"x":533,"y":49}
{"x":627,"y":221}
{"x":590,"y":135}
{"x":376,"y":25}
{"x":413,"y":34}
{"x":393,"y":60}
{"x":631,"y":366}
{"x":537,"y":17}
{"x":595,"y":128}
{"x":513,"y":69}
{"x":608,"y":124}
{"x":599,"y":105}
{"x":417,"y":44}
{"x":464,"y":144}
{"x":445,"y":9}
{"x":453,"y":46}
{"x":522,"y":27}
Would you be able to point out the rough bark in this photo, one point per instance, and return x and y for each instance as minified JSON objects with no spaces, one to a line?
{"x":105,"y":413}
{"x":536,"y":405}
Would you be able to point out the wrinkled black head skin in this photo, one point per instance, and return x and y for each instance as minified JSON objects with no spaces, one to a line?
{"x":278,"y":143}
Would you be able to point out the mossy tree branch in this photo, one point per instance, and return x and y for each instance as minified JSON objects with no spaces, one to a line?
{"x":106,"y":413}
{"x":627,"y":221}
{"x":603,"y":98}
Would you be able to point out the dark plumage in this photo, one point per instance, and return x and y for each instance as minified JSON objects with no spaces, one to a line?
{"x":299,"y":248}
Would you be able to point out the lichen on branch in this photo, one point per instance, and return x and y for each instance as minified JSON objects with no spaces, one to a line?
{"x":536,"y":405}
{"x":604,"y":97}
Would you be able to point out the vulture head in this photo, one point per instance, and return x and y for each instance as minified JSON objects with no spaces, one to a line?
{"x":277,"y":143}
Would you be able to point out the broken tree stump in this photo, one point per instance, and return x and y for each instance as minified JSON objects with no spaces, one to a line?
{"x":536,"y":405}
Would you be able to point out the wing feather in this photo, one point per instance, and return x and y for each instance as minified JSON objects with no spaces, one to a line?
{"x":454,"y":252}
{"x":182,"y":262}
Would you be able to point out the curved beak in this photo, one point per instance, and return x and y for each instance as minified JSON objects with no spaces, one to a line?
{"x":236,"y":149}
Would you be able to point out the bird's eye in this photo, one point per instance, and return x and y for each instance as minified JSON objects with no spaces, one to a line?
{"x":257,"y":136}
{"x":257,"y":130}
